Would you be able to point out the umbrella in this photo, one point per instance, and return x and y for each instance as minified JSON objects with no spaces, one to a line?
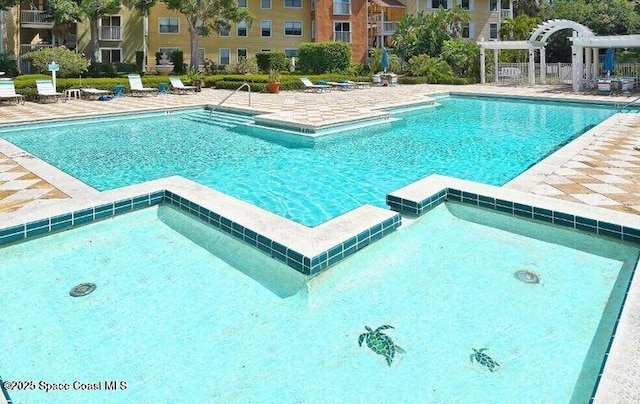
{"x":609,"y":61}
{"x":385,"y":60}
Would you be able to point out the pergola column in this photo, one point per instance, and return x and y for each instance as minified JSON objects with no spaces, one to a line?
{"x":595,"y":66}
{"x":532,"y":67}
{"x":495,"y":64}
{"x":483,"y":67}
{"x":587,"y":62}
{"x":543,"y":65}
{"x":577,"y":61}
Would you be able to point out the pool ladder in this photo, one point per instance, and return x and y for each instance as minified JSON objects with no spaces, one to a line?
{"x":245,"y":84}
{"x":622,"y":108}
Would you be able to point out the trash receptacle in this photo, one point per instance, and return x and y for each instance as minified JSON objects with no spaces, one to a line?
{"x":118,"y":90}
{"x":163,"y":88}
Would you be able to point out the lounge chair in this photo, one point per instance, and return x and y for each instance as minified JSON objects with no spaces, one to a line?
{"x":358,"y":84}
{"x":135,"y":82}
{"x":46,"y":91}
{"x":8,"y":92}
{"x":318,"y":88}
{"x":177,"y":86}
{"x":94,"y":93}
{"x":342,"y":85}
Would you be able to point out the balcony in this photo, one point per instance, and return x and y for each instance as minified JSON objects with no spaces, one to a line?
{"x":25,"y":48}
{"x":505,"y":13}
{"x":110,"y":33}
{"x":35,"y":19}
{"x":386,"y":28}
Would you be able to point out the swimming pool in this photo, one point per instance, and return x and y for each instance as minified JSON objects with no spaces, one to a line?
{"x":238,"y":327}
{"x":489,"y":140}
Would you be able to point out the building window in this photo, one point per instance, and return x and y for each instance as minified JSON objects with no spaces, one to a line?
{"x":493,"y":5}
{"x":292,"y":28}
{"x":342,"y":31}
{"x":265,"y":28}
{"x":313,"y":30}
{"x":242,"y":3}
{"x":225,"y":31}
{"x":169,"y":25}
{"x":168,"y":52}
{"x":467,"y":30}
{"x":439,"y":3}
{"x":291,"y":53}
{"x":313,"y":5}
{"x":493,"y":30}
{"x":202,"y":31}
{"x":342,"y":7}
{"x":241,"y":53}
{"x":225,"y":56}
{"x":201,"y":56}
{"x":111,"y":28}
{"x":242,"y":28}
{"x":466,"y":4}
{"x":265,"y":50}
{"x":110,"y":55}
{"x":292,"y":3}
{"x":265,"y":4}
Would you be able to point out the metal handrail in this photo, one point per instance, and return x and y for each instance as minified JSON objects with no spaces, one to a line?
{"x":627,"y":104}
{"x":229,"y":96}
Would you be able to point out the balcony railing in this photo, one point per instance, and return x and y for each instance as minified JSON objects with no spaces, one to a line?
{"x":111,"y":33}
{"x":35,"y":18}
{"x":505,"y":13}
{"x":24,"y":48}
{"x":342,"y":8}
{"x":342,"y":36}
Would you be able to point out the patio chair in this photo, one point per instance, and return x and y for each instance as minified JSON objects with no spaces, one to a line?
{"x":358,"y":84}
{"x":135,"y":82}
{"x":177,"y":86}
{"x":342,"y":85}
{"x":94,"y":93}
{"x":8,"y":92}
{"x":46,"y":91}
{"x":318,"y":88}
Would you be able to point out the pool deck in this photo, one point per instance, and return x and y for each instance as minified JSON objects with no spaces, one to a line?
{"x":601,"y":169}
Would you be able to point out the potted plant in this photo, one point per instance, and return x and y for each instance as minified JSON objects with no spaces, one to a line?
{"x":273,"y":83}
{"x":195,"y":78}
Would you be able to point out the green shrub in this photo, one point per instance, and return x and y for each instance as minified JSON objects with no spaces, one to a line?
{"x":126,"y":68}
{"x":272,"y":60}
{"x":245,"y":66}
{"x":8,"y":65}
{"x":435,"y":70}
{"x":177,"y":58}
{"x":324,"y":57}
{"x":72,"y":64}
{"x":463,"y":56}
{"x":103,"y":70}
{"x":374,"y":61}
{"x":139,"y":60}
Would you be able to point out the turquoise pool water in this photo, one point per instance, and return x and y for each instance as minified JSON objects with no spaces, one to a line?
{"x":480,"y":139}
{"x":242,"y":328}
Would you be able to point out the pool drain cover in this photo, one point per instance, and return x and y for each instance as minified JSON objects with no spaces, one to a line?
{"x":527,"y":277}
{"x":82,"y":289}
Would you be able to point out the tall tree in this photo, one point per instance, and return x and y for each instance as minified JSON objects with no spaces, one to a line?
{"x":7,"y":4}
{"x":206,"y":16}
{"x":81,"y":10}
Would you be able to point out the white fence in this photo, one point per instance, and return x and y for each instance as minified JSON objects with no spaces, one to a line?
{"x":556,"y":73}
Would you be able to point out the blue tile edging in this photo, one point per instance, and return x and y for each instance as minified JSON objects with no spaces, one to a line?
{"x":304,"y":264}
{"x":602,"y":228}
{"x":296,"y":260}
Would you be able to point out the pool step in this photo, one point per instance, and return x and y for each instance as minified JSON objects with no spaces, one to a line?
{"x":219,"y":118}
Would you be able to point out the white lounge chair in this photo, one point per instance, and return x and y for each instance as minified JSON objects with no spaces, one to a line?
{"x":179,"y":87}
{"x":93,"y":93}
{"x":8,"y":92}
{"x":135,"y":82}
{"x":341,"y":85}
{"x":46,"y":91}
{"x":318,"y":88}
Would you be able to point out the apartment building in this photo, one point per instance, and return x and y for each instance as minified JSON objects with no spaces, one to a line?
{"x":277,"y":25}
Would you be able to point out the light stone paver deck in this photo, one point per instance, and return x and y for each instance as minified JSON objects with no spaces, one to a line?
{"x":601,"y":168}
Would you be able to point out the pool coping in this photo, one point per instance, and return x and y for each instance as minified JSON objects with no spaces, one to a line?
{"x":423,"y":195}
{"x":308,"y":250}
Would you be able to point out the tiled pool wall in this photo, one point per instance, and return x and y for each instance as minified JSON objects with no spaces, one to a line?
{"x":300,"y":262}
{"x":603,"y":228}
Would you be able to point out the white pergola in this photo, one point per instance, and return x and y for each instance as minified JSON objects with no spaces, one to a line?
{"x":583,"y":38}
{"x":584,"y":51}
{"x":498,"y":45}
